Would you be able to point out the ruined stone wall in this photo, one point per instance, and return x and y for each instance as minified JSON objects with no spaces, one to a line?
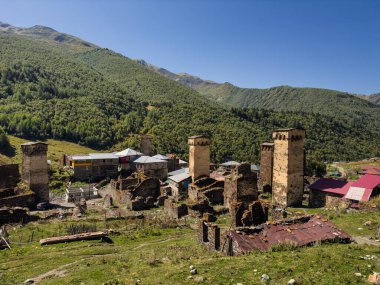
{"x":9,"y":176}
{"x":266,"y":166}
{"x":14,"y":215}
{"x":209,"y":235}
{"x":146,"y":145}
{"x":240,"y":185}
{"x":157,"y":170}
{"x":174,"y":210}
{"x":147,"y":188}
{"x":199,"y":157}
{"x":26,"y":200}
{"x":35,"y":169}
{"x":288,"y":167}
{"x":317,"y":198}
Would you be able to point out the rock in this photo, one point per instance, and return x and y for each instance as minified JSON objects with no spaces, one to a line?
{"x":193,"y":271}
{"x":292,"y":281}
{"x":357,"y":274}
{"x":360,"y":229}
{"x":199,"y":279}
{"x":239,"y":283}
{"x":29,"y":281}
{"x":265,"y":277}
{"x":192,"y":267}
{"x":374,"y":278}
{"x":367,"y":223}
{"x":209,"y":217}
{"x":189,"y":277}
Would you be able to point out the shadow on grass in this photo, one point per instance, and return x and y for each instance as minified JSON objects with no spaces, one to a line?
{"x":7,"y":149}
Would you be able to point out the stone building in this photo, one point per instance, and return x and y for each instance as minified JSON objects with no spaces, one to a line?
{"x":288,"y":167}
{"x":11,"y":195}
{"x":199,"y":156}
{"x":35,"y":169}
{"x":266,"y":167}
{"x":152,"y":167}
{"x":93,"y":166}
{"x":146,"y":144}
{"x":137,"y":192}
{"x":240,"y":185}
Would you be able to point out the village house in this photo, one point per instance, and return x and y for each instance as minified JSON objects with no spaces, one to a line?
{"x":93,"y":166}
{"x":126,"y":157}
{"x":179,"y":184}
{"x":328,"y":192}
{"x":152,"y":167}
{"x":171,"y":159}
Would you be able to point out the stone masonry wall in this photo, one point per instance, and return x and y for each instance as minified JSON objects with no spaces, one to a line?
{"x":35,"y":169}
{"x":199,"y":157}
{"x":288,"y":167}
{"x":9,"y":176}
{"x":266,"y":166}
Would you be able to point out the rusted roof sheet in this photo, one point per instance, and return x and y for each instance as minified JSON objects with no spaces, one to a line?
{"x":301,"y":232}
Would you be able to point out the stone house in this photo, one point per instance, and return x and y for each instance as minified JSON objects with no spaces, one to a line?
{"x":179,"y":184}
{"x":152,"y":167}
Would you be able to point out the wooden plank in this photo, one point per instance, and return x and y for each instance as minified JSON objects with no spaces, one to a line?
{"x":70,"y":238}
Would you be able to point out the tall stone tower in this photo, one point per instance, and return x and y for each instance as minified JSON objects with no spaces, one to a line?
{"x":266,"y":166}
{"x":288,"y":167}
{"x":199,"y":156}
{"x":146,"y":144}
{"x":35,"y":169}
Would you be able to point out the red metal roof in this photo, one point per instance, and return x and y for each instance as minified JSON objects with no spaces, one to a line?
{"x":368,"y":181}
{"x":306,"y":231}
{"x":361,"y":190}
{"x":330,"y":185}
{"x":369,"y":169}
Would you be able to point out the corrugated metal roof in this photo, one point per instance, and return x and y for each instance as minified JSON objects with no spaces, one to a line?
{"x":103,"y":156}
{"x":160,"y":156}
{"x":80,"y":157}
{"x":254,"y":167}
{"x":330,"y":185}
{"x":179,"y":171}
{"x":306,"y":231}
{"x":148,"y":159}
{"x":374,"y":170}
{"x":179,"y":177}
{"x":361,"y":190}
{"x":128,"y":152}
{"x":230,"y":163}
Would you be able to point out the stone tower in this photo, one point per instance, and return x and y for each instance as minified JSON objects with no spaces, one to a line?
{"x":266,"y":166}
{"x":288,"y":167}
{"x":35,"y":169}
{"x":199,"y":156}
{"x":146,"y":144}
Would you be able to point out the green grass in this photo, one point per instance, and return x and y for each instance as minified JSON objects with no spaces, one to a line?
{"x":158,"y":255}
{"x":56,"y":149}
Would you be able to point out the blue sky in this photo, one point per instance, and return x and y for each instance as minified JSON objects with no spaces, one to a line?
{"x":326,"y":43}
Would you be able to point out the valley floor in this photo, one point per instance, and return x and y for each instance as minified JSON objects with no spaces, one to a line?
{"x":158,"y":251}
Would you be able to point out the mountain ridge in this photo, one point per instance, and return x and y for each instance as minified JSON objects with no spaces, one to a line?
{"x":218,"y":91}
{"x":102,"y":99}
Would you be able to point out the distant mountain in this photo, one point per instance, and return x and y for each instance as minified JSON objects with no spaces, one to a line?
{"x":44,"y":33}
{"x":374,"y":98}
{"x":68,"y":90}
{"x":281,"y":98}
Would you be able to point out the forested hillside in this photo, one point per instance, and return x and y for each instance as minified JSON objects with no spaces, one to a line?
{"x":96,"y":97}
{"x":359,"y":110}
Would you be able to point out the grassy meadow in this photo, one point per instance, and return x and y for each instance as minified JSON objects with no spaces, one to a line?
{"x":155,"y":251}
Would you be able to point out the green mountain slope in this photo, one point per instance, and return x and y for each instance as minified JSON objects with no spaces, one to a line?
{"x":341,"y":105}
{"x":98,"y":98}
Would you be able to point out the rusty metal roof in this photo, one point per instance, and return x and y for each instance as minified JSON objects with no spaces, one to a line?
{"x":300,"y":232}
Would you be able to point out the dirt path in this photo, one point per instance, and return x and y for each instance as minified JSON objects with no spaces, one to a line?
{"x":61,"y":272}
